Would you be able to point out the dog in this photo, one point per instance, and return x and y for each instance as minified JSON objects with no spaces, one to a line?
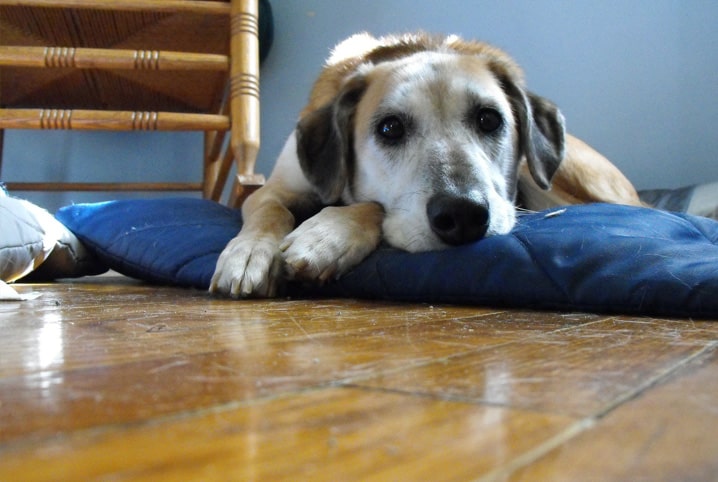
{"x":422,"y":141}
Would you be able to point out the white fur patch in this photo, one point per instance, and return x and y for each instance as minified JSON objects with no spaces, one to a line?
{"x":443,"y":151}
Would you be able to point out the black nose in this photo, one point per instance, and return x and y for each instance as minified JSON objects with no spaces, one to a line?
{"x":457,"y":220}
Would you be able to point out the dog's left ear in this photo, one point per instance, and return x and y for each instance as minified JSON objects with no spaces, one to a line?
{"x":541,"y":132}
{"x":325,"y":142}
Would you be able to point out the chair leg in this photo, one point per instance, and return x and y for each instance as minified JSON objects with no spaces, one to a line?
{"x":244,"y":91}
{"x":217,"y":167}
{"x":242,"y":187}
{"x":2,"y":135}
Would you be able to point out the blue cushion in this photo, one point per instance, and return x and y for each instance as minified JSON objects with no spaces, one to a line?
{"x":172,"y":241}
{"x":595,"y":257}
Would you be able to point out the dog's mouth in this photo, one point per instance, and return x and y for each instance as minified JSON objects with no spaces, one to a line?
{"x":457,"y":220}
{"x":447,"y":219}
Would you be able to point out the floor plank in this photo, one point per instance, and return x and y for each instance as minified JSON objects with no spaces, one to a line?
{"x":116,"y":380}
{"x":579,"y":372}
{"x":325,"y":434}
{"x":75,"y":368}
{"x":665,"y":434}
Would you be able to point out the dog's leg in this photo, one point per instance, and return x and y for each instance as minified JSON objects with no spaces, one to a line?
{"x":333,"y":241}
{"x":251,"y":263}
{"x":590,"y":177}
{"x":584,"y":176}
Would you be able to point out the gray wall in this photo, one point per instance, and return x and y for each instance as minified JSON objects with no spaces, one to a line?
{"x":637,"y":79}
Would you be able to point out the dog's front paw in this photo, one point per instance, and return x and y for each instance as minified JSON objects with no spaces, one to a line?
{"x":332,"y":242}
{"x":248,"y":267}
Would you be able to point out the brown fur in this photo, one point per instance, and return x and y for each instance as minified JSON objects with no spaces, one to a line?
{"x":584,"y":175}
{"x":317,"y":163}
{"x":363,"y":48}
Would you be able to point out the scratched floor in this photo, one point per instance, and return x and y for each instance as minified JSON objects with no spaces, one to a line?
{"x":109,"y":379}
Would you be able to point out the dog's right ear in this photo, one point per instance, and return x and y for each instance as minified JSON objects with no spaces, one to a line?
{"x":541,"y":131}
{"x":325,"y":142}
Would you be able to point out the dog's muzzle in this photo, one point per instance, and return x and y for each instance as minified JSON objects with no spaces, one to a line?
{"x":457,"y":220}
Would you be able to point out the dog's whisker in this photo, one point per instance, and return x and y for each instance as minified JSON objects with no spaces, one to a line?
{"x":523,"y":211}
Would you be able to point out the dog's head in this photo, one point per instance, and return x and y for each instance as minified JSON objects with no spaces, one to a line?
{"x":436,"y":137}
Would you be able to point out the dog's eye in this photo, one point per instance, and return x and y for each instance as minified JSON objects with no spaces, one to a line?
{"x":391,"y":129}
{"x":488,"y":120}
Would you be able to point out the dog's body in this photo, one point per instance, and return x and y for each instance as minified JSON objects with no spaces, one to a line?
{"x":421,"y":141}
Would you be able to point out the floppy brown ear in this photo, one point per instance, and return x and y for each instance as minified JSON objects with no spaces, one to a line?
{"x":541,"y":132}
{"x":325,"y":142}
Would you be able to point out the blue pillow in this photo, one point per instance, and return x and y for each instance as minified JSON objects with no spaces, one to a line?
{"x":172,"y":241}
{"x":597,"y":257}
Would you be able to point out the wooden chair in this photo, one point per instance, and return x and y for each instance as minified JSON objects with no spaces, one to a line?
{"x":175,"y":65}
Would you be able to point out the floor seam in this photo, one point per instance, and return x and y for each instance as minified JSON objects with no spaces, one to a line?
{"x":587,"y":423}
{"x":654,"y":380}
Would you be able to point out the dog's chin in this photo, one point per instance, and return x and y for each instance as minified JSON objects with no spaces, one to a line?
{"x":418,"y":237}
{"x":502,"y":224}
{"x":416,"y":242}
{"x":404,"y":235}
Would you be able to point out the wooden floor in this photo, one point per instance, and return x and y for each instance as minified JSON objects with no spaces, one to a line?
{"x":109,"y":379}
